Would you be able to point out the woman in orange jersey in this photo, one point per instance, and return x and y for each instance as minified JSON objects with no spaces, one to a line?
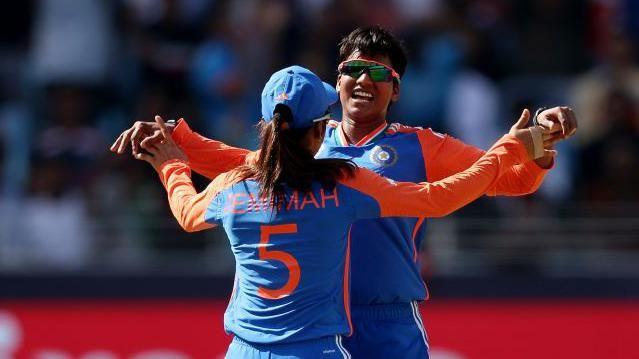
{"x":288,"y":215}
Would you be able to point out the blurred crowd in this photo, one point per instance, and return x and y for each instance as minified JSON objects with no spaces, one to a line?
{"x":74,"y":74}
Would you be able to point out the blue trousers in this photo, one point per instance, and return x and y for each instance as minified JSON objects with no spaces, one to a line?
{"x":387,"y":331}
{"x":322,"y":348}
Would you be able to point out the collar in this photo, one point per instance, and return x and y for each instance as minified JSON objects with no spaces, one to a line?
{"x":342,"y":141}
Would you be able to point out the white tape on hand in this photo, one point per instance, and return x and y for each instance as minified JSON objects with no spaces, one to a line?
{"x":538,"y":141}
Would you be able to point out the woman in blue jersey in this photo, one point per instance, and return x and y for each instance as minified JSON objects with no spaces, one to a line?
{"x":288,"y":215}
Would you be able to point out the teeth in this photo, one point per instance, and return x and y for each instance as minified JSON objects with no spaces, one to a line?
{"x":363,"y":94}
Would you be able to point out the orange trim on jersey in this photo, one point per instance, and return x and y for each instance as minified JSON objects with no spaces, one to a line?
{"x":188,"y":206}
{"x":398,"y":127}
{"x":346,"y":282}
{"x":364,"y":140}
{"x":436,"y":199}
{"x":208,"y":157}
{"x":417,"y":225}
{"x":445,"y":155}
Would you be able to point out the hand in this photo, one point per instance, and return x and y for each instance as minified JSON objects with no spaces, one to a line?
{"x":141,"y":133}
{"x":560,"y":122}
{"x":521,"y":131}
{"x":161,"y":151}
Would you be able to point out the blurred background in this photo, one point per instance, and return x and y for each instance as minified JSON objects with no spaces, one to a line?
{"x":83,"y":228}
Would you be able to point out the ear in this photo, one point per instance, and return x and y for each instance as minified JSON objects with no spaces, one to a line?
{"x":338,"y":84}
{"x":395,"y":96}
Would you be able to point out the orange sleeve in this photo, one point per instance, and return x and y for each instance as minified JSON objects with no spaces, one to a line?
{"x":439,"y":198}
{"x":445,"y":155}
{"x":188,"y":206}
{"x":208,"y":157}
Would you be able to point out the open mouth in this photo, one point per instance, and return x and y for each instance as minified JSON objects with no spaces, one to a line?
{"x":362,"y":95}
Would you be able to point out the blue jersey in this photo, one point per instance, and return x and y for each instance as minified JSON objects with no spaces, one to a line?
{"x":387,"y":270}
{"x":292,"y":265}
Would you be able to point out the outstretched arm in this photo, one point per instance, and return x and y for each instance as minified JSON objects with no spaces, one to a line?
{"x":442,"y":197}
{"x":439,"y":198}
{"x":207,"y":157}
{"x":188,"y":207}
{"x":445,"y":155}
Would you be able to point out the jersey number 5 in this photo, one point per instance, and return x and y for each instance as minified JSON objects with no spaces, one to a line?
{"x":289,"y":261}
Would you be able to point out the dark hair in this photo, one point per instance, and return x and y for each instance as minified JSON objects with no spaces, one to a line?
{"x":283,"y":160}
{"x":374,"y":41}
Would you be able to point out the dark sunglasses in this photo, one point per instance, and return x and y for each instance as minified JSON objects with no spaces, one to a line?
{"x":377,"y":71}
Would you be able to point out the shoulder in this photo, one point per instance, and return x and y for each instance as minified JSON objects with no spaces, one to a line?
{"x":425,"y":135}
{"x":227,"y":180}
{"x":398,"y":128}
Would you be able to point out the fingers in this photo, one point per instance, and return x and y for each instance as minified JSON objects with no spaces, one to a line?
{"x":156,"y":137}
{"x":570,"y":121}
{"x":144,"y":157}
{"x":134,"y":138}
{"x":544,"y":121}
{"x":563,"y":120}
{"x":551,"y":143}
{"x":163,"y":129}
{"x":123,"y":140}
{"x":549,"y":125}
{"x":559,"y":119}
{"x":116,"y":144}
{"x":552,"y":153}
{"x":522,"y":122}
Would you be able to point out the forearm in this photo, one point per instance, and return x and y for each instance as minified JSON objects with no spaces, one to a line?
{"x":187,"y":206}
{"x":519,"y":180}
{"x":453,"y":192}
{"x":439,"y":198}
{"x":207,"y":157}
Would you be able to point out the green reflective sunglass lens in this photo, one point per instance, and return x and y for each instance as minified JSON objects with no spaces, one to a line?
{"x":376,"y":72}
{"x":379,"y":73}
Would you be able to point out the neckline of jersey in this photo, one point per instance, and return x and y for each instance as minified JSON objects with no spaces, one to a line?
{"x":342,"y":141}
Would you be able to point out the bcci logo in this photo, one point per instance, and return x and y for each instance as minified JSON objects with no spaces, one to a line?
{"x":384,"y":155}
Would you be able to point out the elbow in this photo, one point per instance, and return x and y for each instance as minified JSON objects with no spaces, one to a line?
{"x":188,"y":228}
{"x":531,"y":188}
{"x":187,"y":225}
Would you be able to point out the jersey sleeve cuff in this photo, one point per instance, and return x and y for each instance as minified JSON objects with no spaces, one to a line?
{"x":181,"y":131}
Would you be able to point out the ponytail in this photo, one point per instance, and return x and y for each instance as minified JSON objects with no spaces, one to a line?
{"x":283,"y":160}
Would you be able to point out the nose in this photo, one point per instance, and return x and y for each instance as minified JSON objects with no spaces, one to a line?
{"x":365,"y":77}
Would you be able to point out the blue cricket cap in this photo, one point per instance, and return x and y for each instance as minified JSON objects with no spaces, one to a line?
{"x":305,"y":94}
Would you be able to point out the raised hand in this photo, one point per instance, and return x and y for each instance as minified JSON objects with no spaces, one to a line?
{"x":163,"y":150}
{"x":525,"y":134}
{"x":141,"y":133}
{"x":560,"y":122}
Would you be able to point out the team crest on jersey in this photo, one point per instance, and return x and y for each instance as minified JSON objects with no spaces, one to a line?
{"x":384,"y":155}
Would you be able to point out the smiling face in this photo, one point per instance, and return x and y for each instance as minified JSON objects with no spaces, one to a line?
{"x":365,"y":101}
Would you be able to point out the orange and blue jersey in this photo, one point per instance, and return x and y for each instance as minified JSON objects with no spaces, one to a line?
{"x":293,"y":261}
{"x":386,"y":271}
{"x":415,"y":155}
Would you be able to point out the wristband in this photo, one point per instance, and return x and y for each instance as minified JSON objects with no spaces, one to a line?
{"x":534,"y":119}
